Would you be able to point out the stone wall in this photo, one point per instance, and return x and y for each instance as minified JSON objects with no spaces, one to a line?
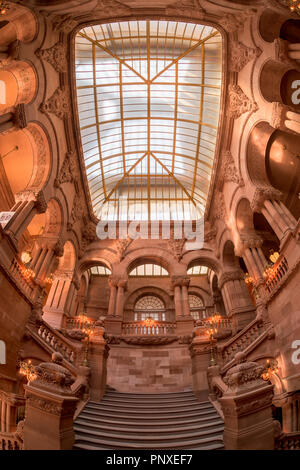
{"x":149,"y":369}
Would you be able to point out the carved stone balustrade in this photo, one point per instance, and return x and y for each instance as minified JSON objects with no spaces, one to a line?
{"x":50,"y":408}
{"x":247,"y":408}
{"x":140,"y":329}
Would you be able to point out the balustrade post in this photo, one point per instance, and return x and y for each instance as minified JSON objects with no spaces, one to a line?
{"x":50,"y":408}
{"x":98,"y":355}
{"x":57,"y":306}
{"x":247,"y":408}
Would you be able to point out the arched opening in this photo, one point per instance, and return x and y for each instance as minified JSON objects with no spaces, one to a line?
{"x":149,"y":306}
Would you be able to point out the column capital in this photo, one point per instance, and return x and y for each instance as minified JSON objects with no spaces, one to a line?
{"x":263,"y":194}
{"x":230,"y":276}
{"x":180,"y":281}
{"x":37,"y":197}
{"x":117,"y":281}
{"x":251,"y":240}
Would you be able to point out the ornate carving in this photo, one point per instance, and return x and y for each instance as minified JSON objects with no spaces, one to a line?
{"x":121,"y":247}
{"x":53,"y":375}
{"x":186,"y":339}
{"x":219,"y":209}
{"x":44,"y":405}
{"x":176,"y":247}
{"x":41,"y":165}
{"x":149,"y":340}
{"x":68,"y":172}
{"x":112,"y":339}
{"x":238,"y":102}
{"x":230,"y":276}
{"x":180,"y":281}
{"x":282,"y":53}
{"x":278,"y":116}
{"x":59,"y":248}
{"x":263,"y":194}
{"x":243,"y":374}
{"x":19,"y":118}
{"x":109,"y":8}
{"x":63,"y":23}
{"x":37,"y":196}
{"x":228,"y":171}
{"x":58,"y":104}
{"x":55,"y":55}
{"x":240,"y":55}
{"x":77,"y":210}
{"x":232,"y":23}
{"x":190,"y":8}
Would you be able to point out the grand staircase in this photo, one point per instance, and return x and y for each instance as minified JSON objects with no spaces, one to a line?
{"x":148,"y":421}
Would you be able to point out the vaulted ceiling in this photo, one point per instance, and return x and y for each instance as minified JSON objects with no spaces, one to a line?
{"x":148,"y":95}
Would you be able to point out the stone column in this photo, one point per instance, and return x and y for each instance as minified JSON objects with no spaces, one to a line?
{"x":185,"y":297}
{"x":98,"y":355}
{"x":50,"y":408}
{"x":120,"y":298}
{"x":178,"y":301}
{"x":246,"y":406}
{"x":239,"y":305}
{"x":44,"y":255}
{"x":201,"y":355}
{"x":112,"y":297}
{"x":28,"y":204}
{"x":184,"y":320}
{"x":293,"y":121}
{"x":58,"y":304}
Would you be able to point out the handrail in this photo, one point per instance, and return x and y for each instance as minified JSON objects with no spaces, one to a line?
{"x":140,"y":329}
{"x":288,"y":441}
{"x":10,"y":441}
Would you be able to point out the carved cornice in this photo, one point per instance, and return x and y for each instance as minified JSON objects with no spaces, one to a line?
{"x":108,"y":8}
{"x":228,"y":172}
{"x":149,"y":340}
{"x":56,"y":56}
{"x":186,"y":8}
{"x":230,"y":276}
{"x":58,"y":104}
{"x":180,"y":281}
{"x":263,"y":194}
{"x":240,"y":55}
{"x":37,"y":196}
{"x":238,"y":102}
{"x":69,"y":172}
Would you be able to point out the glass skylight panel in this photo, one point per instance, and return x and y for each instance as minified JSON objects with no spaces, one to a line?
{"x":148,"y":95}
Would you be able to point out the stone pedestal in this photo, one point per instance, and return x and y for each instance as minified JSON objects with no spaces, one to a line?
{"x":50,"y":408}
{"x":98,"y":355}
{"x":246,"y":406}
{"x":200,"y":350}
{"x":113,"y":325}
{"x":184,"y":325}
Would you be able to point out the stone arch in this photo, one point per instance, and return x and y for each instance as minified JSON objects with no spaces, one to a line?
{"x":244,"y":217}
{"x":150,"y":255}
{"x":19,"y":82}
{"x":21,"y":24}
{"x":27,"y":161}
{"x":274,"y":80}
{"x":201,"y":258}
{"x":94,"y":260}
{"x":2,"y":352}
{"x":140,"y":292}
{"x":270,"y":24}
{"x":229,"y":259}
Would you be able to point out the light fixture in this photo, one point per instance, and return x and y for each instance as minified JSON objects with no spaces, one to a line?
{"x":274,"y":255}
{"x":293,"y":5}
{"x":248,"y":279}
{"x":27,"y":369}
{"x":3,"y":7}
{"x":26,"y":257}
{"x":271,"y":367}
{"x":149,"y":322}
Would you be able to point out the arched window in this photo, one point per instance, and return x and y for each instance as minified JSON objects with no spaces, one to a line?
{"x":149,"y":270}
{"x":197,"y":307}
{"x":149,"y":306}
{"x":100,"y":271}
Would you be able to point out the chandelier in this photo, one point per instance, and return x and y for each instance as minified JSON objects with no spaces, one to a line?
{"x":149,"y":322}
{"x":293,"y":5}
{"x":27,"y":369}
{"x":271,"y":367}
{"x":4,"y":6}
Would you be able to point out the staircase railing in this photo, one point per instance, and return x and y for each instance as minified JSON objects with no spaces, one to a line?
{"x":241,"y":341}
{"x":288,"y":441}
{"x":141,"y":329}
{"x":10,"y":441}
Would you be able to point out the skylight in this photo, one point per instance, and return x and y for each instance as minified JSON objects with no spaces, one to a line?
{"x":148,"y":96}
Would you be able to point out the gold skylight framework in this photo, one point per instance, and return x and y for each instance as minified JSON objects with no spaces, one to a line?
{"x":148,"y":96}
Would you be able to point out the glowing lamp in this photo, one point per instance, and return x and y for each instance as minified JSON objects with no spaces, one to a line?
{"x":26,"y":257}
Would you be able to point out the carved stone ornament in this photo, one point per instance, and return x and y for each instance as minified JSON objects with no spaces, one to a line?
{"x":282,"y":53}
{"x":238,"y":102}
{"x":58,"y":104}
{"x":19,"y":118}
{"x":55,"y":55}
{"x":149,"y":340}
{"x":263,"y":194}
{"x":189,"y":8}
{"x":244,"y":374}
{"x":63,"y":23}
{"x":228,"y":172}
{"x":37,"y":196}
{"x":68,"y":172}
{"x":177,"y":247}
{"x":278,"y":116}
{"x":230,"y":276}
{"x":53,"y":376}
{"x":232,"y":23}
{"x":109,"y":8}
{"x":121,"y":247}
{"x":240,"y":55}
{"x":76,"y":212}
{"x":180,"y":281}
{"x":219,"y":209}
{"x":74,"y":334}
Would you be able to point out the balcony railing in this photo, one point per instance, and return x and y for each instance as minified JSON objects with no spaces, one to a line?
{"x":141,"y":329}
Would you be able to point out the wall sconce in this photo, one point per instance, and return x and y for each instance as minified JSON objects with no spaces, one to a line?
{"x":27,"y":369}
{"x":3,"y":8}
{"x":271,"y":367}
{"x":26,"y":257}
{"x":149,"y":322}
{"x":293,"y":5}
{"x":248,"y":279}
{"x":274,"y":255}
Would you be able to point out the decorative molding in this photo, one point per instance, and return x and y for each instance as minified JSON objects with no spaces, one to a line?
{"x":55,"y":55}
{"x":263,"y":194}
{"x":219,"y":208}
{"x":109,"y":8}
{"x":77,"y":211}
{"x":63,"y":23}
{"x":176,"y":247}
{"x":237,"y":275}
{"x":180,"y":281}
{"x":240,"y":55}
{"x":121,"y":246}
{"x":37,"y":196}
{"x":186,"y":8}
{"x":233,"y":23}
{"x":238,"y":102}
{"x":149,"y":340}
{"x":19,"y":118}
{"x":58,"y":104}
{"x":69,"y":172}
{"x":44,"y":405}
{"x":228,"y":172}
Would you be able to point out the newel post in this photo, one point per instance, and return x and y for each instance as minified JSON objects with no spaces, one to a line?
{"x":50,"y":408}
{"x":98,"y":354}
{"x":246,"y":406}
